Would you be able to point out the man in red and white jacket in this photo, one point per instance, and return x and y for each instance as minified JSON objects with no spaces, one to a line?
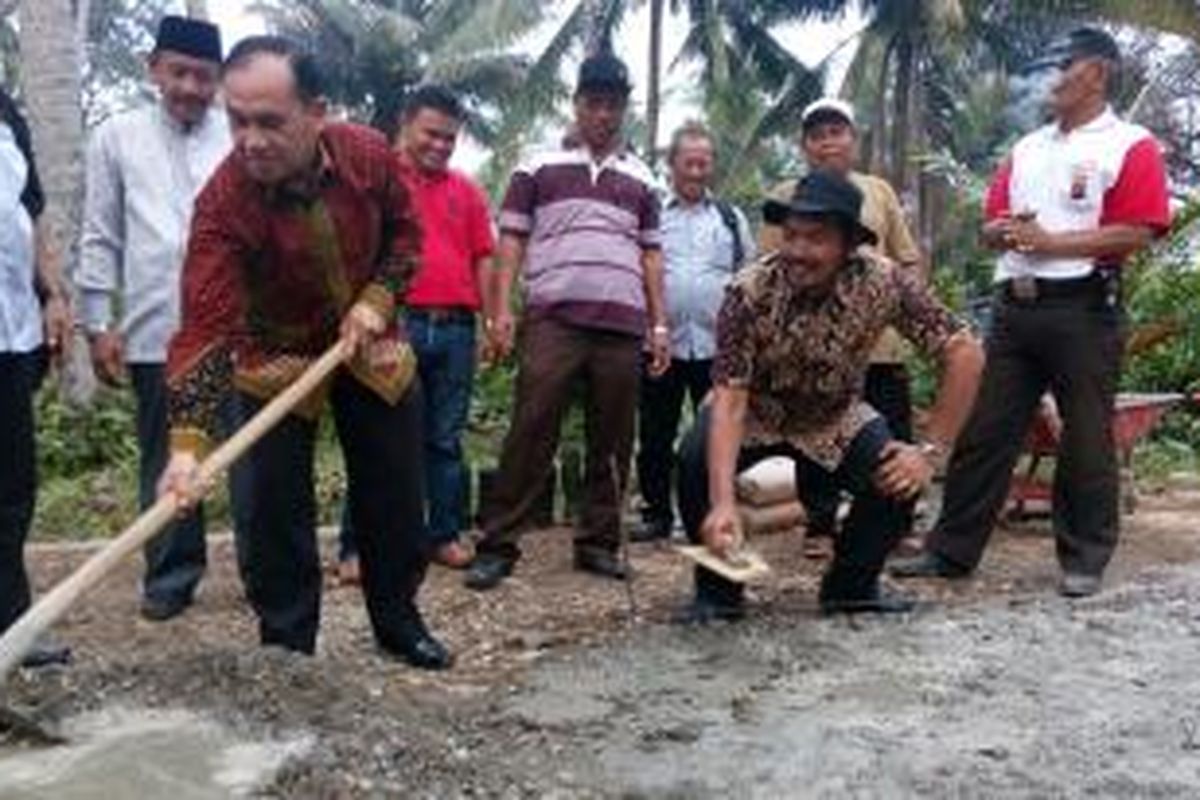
{"x":1066,"y":208}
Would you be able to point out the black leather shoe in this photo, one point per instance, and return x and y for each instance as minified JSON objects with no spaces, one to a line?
{"x":155,"y":609}
{"x":1079,"y":584}
{"x":46,"y":653}
{"x":603,"y":563}
{"x":417,"y":646}
{"x":702,"y":611}
{"x":650,"y":531}
{"x":927,"y":565}
{"x":487,"y":571}
{"x":882,"y":602}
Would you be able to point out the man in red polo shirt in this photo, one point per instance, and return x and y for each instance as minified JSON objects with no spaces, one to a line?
{"x":442,"y":302}
{"x":1073,"y":200}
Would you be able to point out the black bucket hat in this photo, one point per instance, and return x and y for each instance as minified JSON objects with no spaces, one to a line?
{"x":823,"y":193}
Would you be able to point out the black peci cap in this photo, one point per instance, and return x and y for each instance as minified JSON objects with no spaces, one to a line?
{"x":191,"y":37}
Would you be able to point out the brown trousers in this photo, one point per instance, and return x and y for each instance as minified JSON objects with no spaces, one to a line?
{"x":1071,"y":345}
{"x":555,"y":360}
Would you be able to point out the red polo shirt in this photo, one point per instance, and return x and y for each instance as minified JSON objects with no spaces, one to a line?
{"x":457,"y":228}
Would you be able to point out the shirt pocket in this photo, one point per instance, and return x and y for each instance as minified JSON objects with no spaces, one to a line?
{"x":1083,"y":189}
{"x":720,"y":248}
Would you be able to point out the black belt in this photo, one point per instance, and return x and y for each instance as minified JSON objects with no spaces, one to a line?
{"x":1026,"y":290}
{"x":441,"y":313}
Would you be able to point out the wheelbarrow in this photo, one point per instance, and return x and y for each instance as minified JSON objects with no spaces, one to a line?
{"x":1134,"y":416}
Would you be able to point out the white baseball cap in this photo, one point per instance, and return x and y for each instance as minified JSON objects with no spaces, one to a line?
{"x":826,"y":107}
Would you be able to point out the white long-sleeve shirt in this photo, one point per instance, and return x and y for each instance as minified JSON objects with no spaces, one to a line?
{"x":20,"y":312}
{"x":143,"y":174}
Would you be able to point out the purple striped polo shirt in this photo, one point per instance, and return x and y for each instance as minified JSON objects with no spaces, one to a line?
{"x":586,"y":226}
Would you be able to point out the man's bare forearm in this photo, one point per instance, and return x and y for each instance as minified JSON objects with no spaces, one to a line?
{"x":48,"y":273}
{"x":484,"y":269}
{"x":510,"y":254}
{"x":962,"y":366}
{"x":653,"y":282}
{"x":1111,"y":241}
{"x":726,"y":428}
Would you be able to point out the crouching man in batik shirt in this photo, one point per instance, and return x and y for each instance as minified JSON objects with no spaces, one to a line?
{"x":305,"y":235}
{"x":794,"y":340}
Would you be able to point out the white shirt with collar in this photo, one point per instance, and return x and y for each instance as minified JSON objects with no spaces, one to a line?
{"x":1063,"y":177}
{"x":698,"y":256}
{"x":144,"y":171}
{"x":20,"y":311}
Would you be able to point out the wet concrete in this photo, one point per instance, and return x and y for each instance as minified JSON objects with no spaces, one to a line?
{"x":123,"y":753}
{"x":1033,"y":697}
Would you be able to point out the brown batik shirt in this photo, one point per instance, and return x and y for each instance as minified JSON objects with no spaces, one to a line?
{"x":803,"y":356}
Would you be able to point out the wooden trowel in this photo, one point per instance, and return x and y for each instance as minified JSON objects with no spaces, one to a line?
{"x":741,"y":566}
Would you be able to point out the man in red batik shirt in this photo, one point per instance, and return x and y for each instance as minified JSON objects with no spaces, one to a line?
{"x":305,"y":234}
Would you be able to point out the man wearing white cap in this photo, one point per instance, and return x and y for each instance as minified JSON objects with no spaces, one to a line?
{"x":829,"y":140}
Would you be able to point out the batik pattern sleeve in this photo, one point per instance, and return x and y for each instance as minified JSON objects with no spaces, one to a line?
{"x":919,"y":316}
{"x":401,"y":248}
{"x":200,"y":356}
{"x":733,"y":364}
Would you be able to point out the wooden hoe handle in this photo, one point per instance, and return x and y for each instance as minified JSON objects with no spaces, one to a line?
{"x":20,"y":638}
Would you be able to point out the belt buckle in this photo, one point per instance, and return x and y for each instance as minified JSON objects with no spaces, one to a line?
{"x":1024,"y":288}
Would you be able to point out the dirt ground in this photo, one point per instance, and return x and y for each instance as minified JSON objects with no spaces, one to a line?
{"x":996,"y":688}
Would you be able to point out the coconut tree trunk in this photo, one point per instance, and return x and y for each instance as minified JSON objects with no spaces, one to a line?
{"x":50,"y":78}
{"x":901,"y":111}
{"x":197,"y":9}
{"x":653,"y":81}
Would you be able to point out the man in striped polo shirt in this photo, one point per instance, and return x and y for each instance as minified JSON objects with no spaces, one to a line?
{"x":583,"y":220}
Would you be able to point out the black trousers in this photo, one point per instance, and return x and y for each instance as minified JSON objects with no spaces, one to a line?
{"x":872,"y":529}
{"x":19,"y":376}
{"x":660,"y":405}
{"x":176,"y":558}
{"x":1072,"y":346}
{"x":382,"y":448}
{"x":886,"y":391}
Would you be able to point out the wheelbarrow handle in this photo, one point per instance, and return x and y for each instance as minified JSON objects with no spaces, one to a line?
{"x":24,"y":633}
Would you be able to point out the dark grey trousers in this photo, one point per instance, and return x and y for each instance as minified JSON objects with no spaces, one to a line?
{"x":176,"y":558}
{"x":381,"y":444}
{"x":1069,"y":344}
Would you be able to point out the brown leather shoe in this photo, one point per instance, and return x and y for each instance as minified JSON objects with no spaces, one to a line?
{"x":454,"y":555}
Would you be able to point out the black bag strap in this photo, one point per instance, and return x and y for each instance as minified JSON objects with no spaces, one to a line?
{"x":730,"y":218}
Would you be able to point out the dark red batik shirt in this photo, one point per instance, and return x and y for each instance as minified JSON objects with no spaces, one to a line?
{"x":271,"y":271}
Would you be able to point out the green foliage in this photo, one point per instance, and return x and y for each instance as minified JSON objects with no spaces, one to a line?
{"x":73,"y":441}
{"x":1163,"y":287}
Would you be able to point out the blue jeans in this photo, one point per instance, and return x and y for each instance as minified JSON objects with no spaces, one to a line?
{"x":445,"y":350}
